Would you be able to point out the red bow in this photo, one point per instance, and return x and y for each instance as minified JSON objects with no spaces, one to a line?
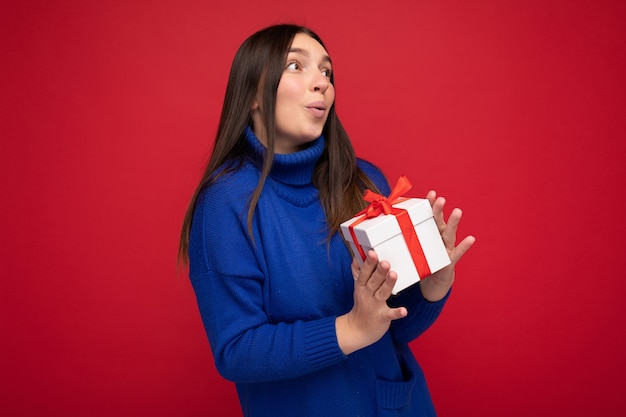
{"x":383,"y":205}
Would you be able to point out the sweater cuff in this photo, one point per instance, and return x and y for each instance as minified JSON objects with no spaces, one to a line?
{"x":431,"y":310}
{"x":320,"y":343}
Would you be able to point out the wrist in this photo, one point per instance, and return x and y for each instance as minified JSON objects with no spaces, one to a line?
{"x":434,"y":290}
{"x":349,"y":338}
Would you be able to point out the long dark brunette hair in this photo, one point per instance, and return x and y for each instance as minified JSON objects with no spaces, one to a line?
{"x":257,"y":68}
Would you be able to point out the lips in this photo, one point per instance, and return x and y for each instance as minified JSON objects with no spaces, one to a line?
{"x":317,"y":108}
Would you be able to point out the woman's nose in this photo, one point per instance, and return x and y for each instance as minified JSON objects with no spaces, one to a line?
{"x":320,"y":82}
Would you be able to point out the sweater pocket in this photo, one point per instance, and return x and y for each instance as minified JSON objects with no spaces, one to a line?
{"x":392,"y":396}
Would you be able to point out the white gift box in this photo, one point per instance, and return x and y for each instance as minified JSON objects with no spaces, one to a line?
{"x":384,"y":235}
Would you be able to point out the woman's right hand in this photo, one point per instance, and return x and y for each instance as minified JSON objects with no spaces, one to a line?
{"x":370,"y":317}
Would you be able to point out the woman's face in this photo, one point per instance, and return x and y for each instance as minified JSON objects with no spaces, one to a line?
{"x":303,"y":99}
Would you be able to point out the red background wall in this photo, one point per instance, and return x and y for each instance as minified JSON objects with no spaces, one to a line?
{"x":513,"y":110}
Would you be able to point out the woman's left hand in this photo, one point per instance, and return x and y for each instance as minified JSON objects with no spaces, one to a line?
{"x":436,"y":286}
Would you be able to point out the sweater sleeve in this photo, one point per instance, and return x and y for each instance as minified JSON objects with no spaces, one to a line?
{"x":228,"y":277}
{"x":422,"y":314}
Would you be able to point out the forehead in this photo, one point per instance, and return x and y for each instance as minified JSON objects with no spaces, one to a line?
{"x":303,"y":43}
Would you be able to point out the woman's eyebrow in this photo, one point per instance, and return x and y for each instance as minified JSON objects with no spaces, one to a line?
{"x":304,"y":52}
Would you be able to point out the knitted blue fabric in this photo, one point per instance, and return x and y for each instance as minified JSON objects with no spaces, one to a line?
{"x":269,"y":305}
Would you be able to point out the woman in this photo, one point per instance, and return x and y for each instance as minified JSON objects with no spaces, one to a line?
{"x":299,"y":327}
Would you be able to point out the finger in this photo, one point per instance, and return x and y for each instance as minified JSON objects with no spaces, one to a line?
{"x":356,"y":268}
{"x":396,"y":313}
{"x":462,"y":248}
{"x":383,"y":292}
{"x":449,"y":234}
{"x":379,"y":276}
{"x":431,"y":196}
{"x":438,"y":206}
{"x":367,"y":269}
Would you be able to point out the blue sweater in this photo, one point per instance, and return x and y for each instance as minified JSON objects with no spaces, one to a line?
{"x":269,"y":305}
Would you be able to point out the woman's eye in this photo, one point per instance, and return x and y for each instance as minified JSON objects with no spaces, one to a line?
{"x":293,"y":65}
{"x":326,"y":72}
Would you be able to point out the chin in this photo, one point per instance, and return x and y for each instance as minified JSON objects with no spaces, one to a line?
{"x":315,"y":133}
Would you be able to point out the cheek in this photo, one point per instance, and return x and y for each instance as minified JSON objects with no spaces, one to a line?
{"x":331,"y":93}
{"x":288,"y":91}
{"x":288,"y":98}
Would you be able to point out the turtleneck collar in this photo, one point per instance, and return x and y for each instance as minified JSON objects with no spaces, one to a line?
{"x":293,"y":168}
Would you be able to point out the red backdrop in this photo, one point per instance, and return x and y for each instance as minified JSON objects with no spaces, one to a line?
{"x":513,"y":110}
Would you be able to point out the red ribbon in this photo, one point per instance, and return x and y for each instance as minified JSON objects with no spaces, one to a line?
{"x":384,"y":205}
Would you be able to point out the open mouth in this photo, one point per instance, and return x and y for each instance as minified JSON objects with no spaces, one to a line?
{"x":318,"y":109}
